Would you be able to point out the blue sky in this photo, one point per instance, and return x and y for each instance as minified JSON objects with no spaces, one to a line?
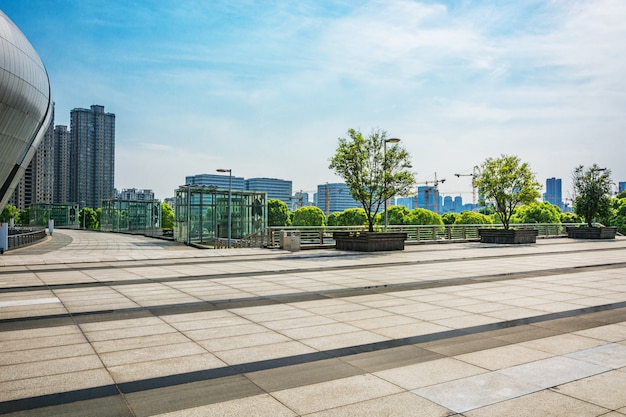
{"x":266,"y":88}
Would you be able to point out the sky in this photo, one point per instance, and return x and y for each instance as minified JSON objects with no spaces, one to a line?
{"x":266,"y":88}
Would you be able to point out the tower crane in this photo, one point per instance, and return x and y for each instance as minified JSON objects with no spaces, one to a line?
{"x":435,"y":183}
{"x":473,"y":175}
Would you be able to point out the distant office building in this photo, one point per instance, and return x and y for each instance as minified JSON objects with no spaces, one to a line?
{"x":300,"y":199}
{"x":335,"y":197}
{"x":134,"y":194}
{"x":275,"y":188}
{"x":220,"y":181}
{"x":622,"y":186}
{"x":408,"y":202}
{"x":92,"y":153}
{"x":553,"y":193}
{"x":61,"y":168}
{"x":428,"y":198}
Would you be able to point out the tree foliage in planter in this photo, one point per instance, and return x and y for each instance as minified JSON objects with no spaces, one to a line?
{"x":372,"y":174}
{"x":506,"y":182}
{"x":592,"y":188}
{"x":539,"y":212}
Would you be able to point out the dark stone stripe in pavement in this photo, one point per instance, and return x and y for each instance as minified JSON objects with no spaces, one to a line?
{"x":316,"y":268}
{"x":31,"y":322}
{"x":156,"y":393}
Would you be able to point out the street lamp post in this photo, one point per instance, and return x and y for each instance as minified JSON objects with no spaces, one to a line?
{"x":390,"y":140}
{"x":230,"y":193}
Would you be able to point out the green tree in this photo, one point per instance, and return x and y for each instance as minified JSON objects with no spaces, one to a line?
{"x":24,"y":217}
{"x":506,"y":182}
{"x":395,"y":215}
{"x":469,"y":217}
{"x":334,"y":218}
{"x":9,"y":212}
{"x":371,"y":173}
{"x":422,"y":216}
{"x":167,"y":216}
{"x":308,"y":216}
{"x":450,"y":218}
{"x":569,"y":218}
{"x":538,"y":212}
{"x":618,"y":214}
{"x":352,"y":217}
{"x":277,"y":213}
{"x":593,"y":189}
{"x":88,"y":218}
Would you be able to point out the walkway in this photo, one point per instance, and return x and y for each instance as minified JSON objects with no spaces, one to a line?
{"x":116,"y":325}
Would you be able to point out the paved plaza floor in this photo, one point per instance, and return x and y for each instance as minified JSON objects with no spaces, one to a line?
{"x":100,"y":324}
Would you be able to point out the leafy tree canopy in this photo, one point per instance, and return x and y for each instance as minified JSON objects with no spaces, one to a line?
{"x":277,"y":213}
{"x":469,"y":217}
{"x":506,"y":182}
{"x":88,"y":218}
{"x":372,"y":171}
{"x":423,"y":216}
{"x":395,"y":215}
{"x":352,"y":217}
{"x":450,"y":218}
{"x":9,"y":212}
{"x":539,"y":212}
{"x":167,"y":216}
{"x":308,"y":216}
{"x":570,"y":218}
{"x":592,"y":188}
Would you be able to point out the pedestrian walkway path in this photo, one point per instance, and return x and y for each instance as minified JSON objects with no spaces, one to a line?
{"x":118,"y":325}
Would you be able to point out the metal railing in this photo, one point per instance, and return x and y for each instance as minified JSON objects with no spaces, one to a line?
{"x":19,"y":237}
{"x":314,"y":236}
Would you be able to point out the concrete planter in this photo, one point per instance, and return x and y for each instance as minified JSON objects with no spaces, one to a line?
{"x":369,"y":241}
{"x":591,"y":232}
{"x":511,"y":236}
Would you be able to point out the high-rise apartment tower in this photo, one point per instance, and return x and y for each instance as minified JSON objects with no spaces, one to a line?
{"x":92,"y":156}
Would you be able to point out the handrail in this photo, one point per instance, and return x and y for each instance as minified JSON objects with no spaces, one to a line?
{"x":320,"y":236}
{"x":24,"y":237}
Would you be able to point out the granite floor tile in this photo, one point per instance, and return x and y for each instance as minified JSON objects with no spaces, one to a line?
{"x":333,"y":394}
{"x":543,"y":403}
{"x":429,"y":373}
{"x":398,"y":405}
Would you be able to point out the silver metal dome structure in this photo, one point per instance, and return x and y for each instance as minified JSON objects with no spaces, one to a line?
{"x":25,"y":105}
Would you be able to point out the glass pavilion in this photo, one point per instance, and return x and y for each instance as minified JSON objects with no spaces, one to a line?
{"x":201,"y":214}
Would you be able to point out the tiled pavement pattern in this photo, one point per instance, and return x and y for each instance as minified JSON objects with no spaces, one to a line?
{"x":95,"y":324}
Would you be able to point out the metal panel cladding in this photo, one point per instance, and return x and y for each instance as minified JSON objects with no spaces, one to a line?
{"x":25,"y":105}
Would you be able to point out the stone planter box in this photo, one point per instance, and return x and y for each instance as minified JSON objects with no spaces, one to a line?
{"x":511,"y":236}
{"x":591,"y":232}
{"x":369,"y":241}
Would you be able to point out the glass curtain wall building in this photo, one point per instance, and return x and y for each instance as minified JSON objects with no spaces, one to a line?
{"x":201,"y":214}
{"x":64,"y":215}
{"x":335,"y":197}
{"x":131,"y":216}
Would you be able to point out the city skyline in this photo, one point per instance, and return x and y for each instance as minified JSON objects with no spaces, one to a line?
{"x":266,"y":90}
